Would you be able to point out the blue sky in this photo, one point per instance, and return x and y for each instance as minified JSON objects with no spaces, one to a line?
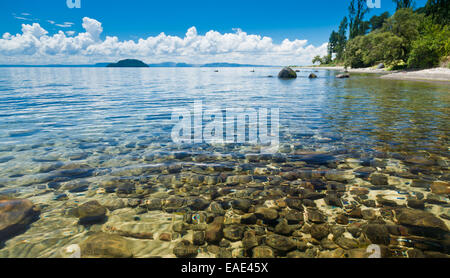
{"x":134,"y":19}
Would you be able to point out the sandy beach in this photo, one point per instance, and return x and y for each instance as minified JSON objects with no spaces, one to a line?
{"x":435,"y":74}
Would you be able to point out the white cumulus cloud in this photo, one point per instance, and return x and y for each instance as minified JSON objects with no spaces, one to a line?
{"x":35,"y":45}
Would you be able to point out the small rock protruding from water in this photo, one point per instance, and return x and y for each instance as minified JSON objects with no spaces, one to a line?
{"x":312,"y":75}
{"x":287,"y":73}
{"x":343,"y":75}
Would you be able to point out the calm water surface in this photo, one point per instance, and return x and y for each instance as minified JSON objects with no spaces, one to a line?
{"x":62,"y":127}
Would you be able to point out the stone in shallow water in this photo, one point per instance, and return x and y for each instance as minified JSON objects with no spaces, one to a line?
{"x":342,"y":219}
{"x":340,"y":176}
{"x":173,"y":203}
{"x":346,"y":243}
{"x":249,"y":241}
{"x":214,"y":232}
{"x":315,"y":216}
{"x":368,"y":214}
{"x":421,"y":219}
{"x":316,"y":158}
{"x":248,"y":219}
{"x":287,"y":73}
{"x":294,"y":204}
{"x":102,"y":245}
{"x":333,"y":200}
{"x":283,"y":228}
{"x":165,"y":237}
{"x":281,"y":243}
{"x":91,"y":212}
{"x":233,"y":232}
{"x":416,"y":204}
{"x":293,"y":217}
{"x":76,"y":186}
{"x":266,"y":214}
{"x":377,"y":233}
{"x":185,"y":249}
{"x":440,"y":187}
{"x":262,"y":252}
{"x":198,"y":238}
{"x":319,"y":231}
{"x":420,"y":159}
{"x":241,"y":204}
{"x":15,"y":216}
{"x":197,"y":204}
{"x":153,"y":204}
{"x":421,"y":183}
{"x":378,"y":179}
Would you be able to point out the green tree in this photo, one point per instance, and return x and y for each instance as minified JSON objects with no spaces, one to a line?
{"x":376,"y":47}
{"x":333,"y":43}
{"x":342,"y":38}
{"x":317,"y":59}
{"x":376,"y":22}
{"x":439,"y":11}
{"x":357,"y":11}
{"x":432,"y":45}
{"x":404,"y":24}
{"x":403,"y":4}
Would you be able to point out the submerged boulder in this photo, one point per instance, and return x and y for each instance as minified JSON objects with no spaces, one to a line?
{"x":287,"y":73}
{"x":421,"y":222}
{"x":103,"y":245}
{"x":91,"y":212}
{"x":15,"y":216}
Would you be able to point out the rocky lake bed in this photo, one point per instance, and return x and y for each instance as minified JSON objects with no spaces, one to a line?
{"x":297,"y":204}
{"x":88,"y":168}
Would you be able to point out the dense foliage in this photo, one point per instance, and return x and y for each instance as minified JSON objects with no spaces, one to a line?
{"x":410,"y":38}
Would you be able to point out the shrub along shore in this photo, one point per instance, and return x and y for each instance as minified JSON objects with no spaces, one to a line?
{"x":411,"y":39}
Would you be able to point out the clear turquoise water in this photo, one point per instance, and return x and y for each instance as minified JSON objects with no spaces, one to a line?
{"x":110,"y":118}
{"x":78,"y":128}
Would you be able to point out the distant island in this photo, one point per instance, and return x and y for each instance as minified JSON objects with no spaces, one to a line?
{"x":128,"y":63}
{"x":138,"y":63}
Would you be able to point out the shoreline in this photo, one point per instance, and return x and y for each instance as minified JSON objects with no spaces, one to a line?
{"x":432,"y":75}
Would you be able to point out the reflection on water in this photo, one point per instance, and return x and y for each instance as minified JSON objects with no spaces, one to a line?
{"x":76,"y":131}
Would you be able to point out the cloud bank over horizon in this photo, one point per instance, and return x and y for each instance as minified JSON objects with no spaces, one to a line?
{"x":36,"y":46}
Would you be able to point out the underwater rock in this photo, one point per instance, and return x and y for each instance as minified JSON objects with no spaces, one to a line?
{"x":185,"y":249}
{"x":214,"y":231}
{"x":90,"y":213}
{"x":15,"y":216}
{"x":103,"y":245}
{"x":421,"y":219}
{"x":263,"y":252}
{"x":377,"y":233}
{"x":440,"y":187}
{"x":241,"y":204}
{"x":266,"y":214}
{"x":281,"y":243}
{"x":319,"y":231}
{"x":233,"y":232}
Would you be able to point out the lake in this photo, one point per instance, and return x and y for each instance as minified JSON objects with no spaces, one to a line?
{"x":363,"y":155}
